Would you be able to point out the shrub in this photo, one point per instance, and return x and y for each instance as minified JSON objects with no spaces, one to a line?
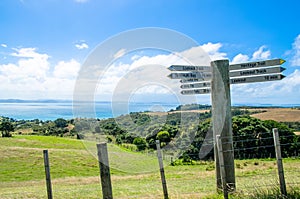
{"x":140,"y":143}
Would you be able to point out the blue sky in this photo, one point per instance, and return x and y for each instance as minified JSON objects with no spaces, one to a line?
{"x":44,"y":43}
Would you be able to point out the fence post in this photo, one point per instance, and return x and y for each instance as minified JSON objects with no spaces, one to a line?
{"x":222,"y":120}
{"x":47,"y":171}
{"x":222,"y":166}
{"x":104,"y":171}
{"x":279,"y":162}
{"x":162,"y":171}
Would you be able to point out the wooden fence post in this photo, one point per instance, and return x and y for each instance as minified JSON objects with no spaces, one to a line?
{"x":47,"y":171}
{"x":162,"y":171}
{"x":222,"y":120}
{"x":104,"y":171}
{"x":279,"y":162}
{"x":222,"y":166}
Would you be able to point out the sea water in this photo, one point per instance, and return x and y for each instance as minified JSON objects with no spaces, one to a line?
{"x":53,"y":110}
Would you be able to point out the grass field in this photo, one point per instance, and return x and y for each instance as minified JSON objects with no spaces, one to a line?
{"x":75,"y":172}
{"x":279,"y":114}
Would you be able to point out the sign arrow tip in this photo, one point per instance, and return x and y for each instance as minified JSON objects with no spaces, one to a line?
{"x":282,"y":76}
{"x":282,"y":69}
{"x":171,"y":67}
{"x":281,"y":61}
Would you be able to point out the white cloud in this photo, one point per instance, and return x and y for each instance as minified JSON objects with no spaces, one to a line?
{"x":240,"y":58}
{"x":30,"y":64}
{"x":81,"y":46}
{"x":32,"y":77}
{"x":4,"y":45}
{"x":148,"y":74}
{"x":285,"y":91}
{"x":67,"y":70}
{"x":296,"y":52}
{"x":28,"y":53}
{"x":213,"y":51}
{"x":261,"y":54}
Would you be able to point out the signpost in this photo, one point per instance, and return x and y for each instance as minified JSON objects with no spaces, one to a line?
{"x":252,"y":79}
{"x":256,"y":71}
{"x":189,"y":68}
{"x":196,"y":91}
{"x":258,"y":64}
{"x":190,"y":80}
{"x":196,"y":85}
{"x":217,"y":81}
{"x":204,"y":76}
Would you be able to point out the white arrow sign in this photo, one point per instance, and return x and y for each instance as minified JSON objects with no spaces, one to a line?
{"x":257,"y":71}
{"x":266,"y":63}
{"x":195,"y":91}
{"x":256,"y":79}
{"x":196,"y":85}
{"x":190,"y":80}
{"x":189,"y":68}
{"x":193,"y":75}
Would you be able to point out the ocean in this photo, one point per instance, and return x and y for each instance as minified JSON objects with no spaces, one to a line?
{"x":51,"y":110}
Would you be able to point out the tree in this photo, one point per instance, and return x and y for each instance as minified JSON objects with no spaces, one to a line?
{"x":163,"y":136}
{"x":140,"y":143}
{"x":6,"y":127}
{"x":61,"y":123}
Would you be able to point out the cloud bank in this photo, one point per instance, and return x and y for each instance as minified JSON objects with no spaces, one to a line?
{"x":32,"y":75}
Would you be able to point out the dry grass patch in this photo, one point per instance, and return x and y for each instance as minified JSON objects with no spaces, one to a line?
{"x":279,"y":114}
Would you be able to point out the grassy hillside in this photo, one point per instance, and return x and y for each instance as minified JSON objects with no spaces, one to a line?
{"x":75,"y":172}
{"x":68,"y":157}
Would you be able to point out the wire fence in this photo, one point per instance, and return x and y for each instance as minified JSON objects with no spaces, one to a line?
{"x":195,"y":179}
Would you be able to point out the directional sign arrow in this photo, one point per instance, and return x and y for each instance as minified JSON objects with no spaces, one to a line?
{"x":196,"y":85}
{"x":265,"y":63}
{"x":195,"y":91}
{"x":252,"y":79}
{"x":189,"y":68}
{"x":193,"y":75}
{"x":190,"y":80}
{"x":256,"y":71}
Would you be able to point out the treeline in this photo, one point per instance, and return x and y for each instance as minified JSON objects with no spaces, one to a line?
{"x":186,"y":133}
{"x":59,"y":127}
{"x":190,"y":134}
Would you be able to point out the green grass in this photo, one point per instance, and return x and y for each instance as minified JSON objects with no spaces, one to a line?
{"x":75,"y":172}
{"x":47,"y":142}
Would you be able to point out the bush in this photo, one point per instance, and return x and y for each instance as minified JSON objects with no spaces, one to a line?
{"x":140,"y":143}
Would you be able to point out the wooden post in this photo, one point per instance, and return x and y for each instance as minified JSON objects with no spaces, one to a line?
{"x":162,"y":171}
{"x":104,"y":171}
{"x":279,"y":162}
{"x":222,"y":166}
{"x":222,"y":121}
{"x":47,"y":171}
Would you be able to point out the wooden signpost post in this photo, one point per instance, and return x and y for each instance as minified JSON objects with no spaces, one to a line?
{"x":217,"y":80}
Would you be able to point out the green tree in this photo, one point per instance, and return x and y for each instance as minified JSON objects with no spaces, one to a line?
{"x":61,"y":123}
{"x":140,"y":143}
{"x":6,"y":127}
{"x":163,"y":136}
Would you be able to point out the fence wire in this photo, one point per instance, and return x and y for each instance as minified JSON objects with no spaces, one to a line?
{"x":196,"y":179}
